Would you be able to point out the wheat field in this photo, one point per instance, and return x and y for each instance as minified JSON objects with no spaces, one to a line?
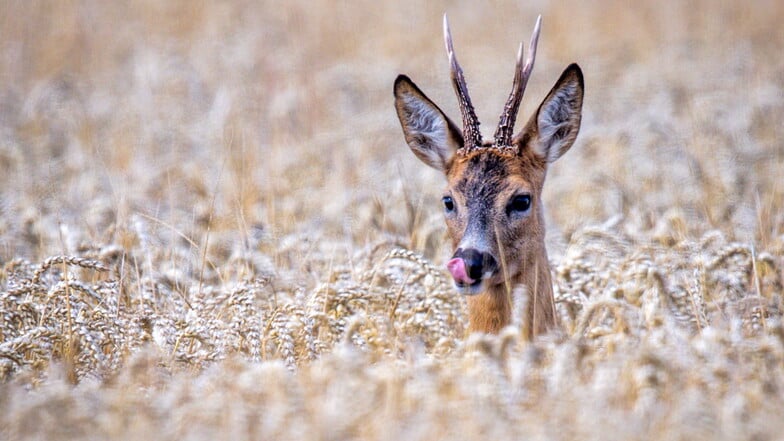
{"x":211,"y":226}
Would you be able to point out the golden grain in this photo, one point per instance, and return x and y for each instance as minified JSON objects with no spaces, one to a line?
{"x":210,"y":223}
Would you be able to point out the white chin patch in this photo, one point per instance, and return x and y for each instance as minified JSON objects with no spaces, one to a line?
{"x":470,"y":290}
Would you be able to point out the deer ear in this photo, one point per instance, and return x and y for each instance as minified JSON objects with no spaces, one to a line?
{"x":554,"y":127}
{"x":430,"y":134}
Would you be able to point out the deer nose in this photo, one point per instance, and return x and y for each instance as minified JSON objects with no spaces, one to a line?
{"x":467,"y":266}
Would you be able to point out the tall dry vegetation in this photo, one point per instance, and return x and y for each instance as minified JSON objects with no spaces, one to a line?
{"x":210,"y":226}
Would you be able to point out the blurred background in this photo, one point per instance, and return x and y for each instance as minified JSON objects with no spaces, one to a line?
{"x":248,"y":121}
{"x":251,"y":248}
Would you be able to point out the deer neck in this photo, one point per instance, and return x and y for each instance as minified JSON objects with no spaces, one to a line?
{"x":491,"y":310}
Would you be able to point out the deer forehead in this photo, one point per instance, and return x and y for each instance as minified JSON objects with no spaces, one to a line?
{"x":488,"y":174}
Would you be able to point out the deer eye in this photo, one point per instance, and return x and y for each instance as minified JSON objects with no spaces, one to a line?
{"x":519,"y":204}
{"x":449,"y":204}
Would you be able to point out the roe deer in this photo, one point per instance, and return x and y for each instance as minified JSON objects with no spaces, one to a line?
{"x":493,"y":201}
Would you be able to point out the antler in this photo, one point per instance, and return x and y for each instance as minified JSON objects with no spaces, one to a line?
{"x":503,"y":135}
{"x":471,"y":135}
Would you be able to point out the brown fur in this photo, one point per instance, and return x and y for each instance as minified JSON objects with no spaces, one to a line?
{"x":497,"y":175}
{"x":482,"y":182}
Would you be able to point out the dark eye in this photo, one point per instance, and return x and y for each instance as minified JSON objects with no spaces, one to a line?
{"x":519,"y":204}
{"x":449,"y":204}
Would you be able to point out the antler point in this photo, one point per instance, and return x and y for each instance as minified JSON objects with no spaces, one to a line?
{"x":503,"y":134}
{"x":447,"y":36}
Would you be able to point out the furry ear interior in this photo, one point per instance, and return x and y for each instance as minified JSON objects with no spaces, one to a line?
{"x":430,"y":134}
{"x":552,"y":130}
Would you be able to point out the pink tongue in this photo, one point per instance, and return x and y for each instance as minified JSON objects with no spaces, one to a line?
{"x":457,"y":267}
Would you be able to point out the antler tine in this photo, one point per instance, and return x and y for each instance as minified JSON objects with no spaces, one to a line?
{"x":504,"y":133}
{"x":471,"y":134}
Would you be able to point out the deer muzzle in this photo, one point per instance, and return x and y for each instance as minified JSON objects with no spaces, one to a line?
{"x":470,"y":266}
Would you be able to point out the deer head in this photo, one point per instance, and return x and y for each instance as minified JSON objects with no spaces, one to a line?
{"x":492,"y":202}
